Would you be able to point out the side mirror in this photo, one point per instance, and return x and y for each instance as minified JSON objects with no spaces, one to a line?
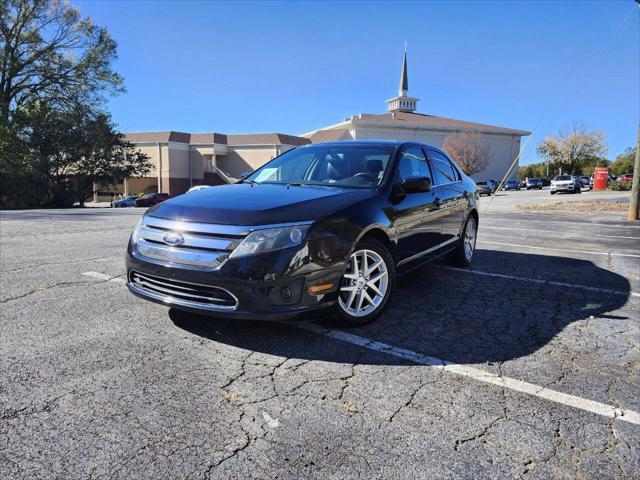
{"x":415,"y":185}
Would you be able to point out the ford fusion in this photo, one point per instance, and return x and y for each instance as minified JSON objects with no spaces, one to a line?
{"x":323,"y":226}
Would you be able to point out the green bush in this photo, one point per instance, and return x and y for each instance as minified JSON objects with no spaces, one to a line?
{"x":619,"y":187}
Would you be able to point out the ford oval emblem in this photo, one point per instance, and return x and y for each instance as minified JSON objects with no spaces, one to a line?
{"x":173,"y":239}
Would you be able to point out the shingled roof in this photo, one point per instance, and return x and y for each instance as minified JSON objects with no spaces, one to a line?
{"x":210,"y":138}
{"x":336,"y":135}
{"x":266,"y":139}
{"x":421,"y":120}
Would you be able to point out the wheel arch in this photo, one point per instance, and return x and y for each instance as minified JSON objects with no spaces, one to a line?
{"x":378,"y":232}
{"x":474,"y":213}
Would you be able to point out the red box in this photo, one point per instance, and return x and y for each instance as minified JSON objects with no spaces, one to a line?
{"x":600,"y":177}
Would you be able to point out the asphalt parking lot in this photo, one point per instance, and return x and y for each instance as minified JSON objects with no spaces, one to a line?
{"x":524,"y":366}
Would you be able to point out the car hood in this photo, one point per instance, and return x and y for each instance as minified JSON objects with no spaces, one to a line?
{"x":246,"y":204}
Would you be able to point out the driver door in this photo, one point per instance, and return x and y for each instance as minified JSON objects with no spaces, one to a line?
{"x":416,"y":216}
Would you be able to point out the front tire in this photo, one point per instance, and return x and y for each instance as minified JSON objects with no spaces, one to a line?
{"x":367,"y":284}
{"x":463,"y":254}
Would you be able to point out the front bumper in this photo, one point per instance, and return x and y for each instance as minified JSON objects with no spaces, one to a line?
{"x":257,"y":284}
{"x":563,"y":188}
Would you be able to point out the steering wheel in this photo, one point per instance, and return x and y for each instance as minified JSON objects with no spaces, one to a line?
{"x":366,"y":175}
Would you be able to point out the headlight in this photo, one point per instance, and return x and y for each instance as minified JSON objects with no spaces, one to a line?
{"x":134,"y":235}
{"x":270,"y":239}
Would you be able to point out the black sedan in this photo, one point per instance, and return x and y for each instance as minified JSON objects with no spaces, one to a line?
{"x":534,"y":183}
{"x":324,"y":226}
{"x":511,"y":185}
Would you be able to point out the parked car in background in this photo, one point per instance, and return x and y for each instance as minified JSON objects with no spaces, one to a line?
{"x":512,"y":185}
{"x":198,"y":187}
{"x":585,"y":181}
{"x":486,"y":188}
{"x":566,"y":183}
{"x":545,"y":182}
{"x":151,"y":199}
{"x":323,"y":226}
{"x":125,"y":202}
{"x":626,"y":178}
{"x":534,"y":183}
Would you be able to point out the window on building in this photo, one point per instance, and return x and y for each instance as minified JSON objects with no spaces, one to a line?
{"x":413,"y":164}
{"x":443,"y":170}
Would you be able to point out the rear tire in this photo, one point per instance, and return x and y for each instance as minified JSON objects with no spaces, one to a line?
{"x":463,"y":254}
{"x":367,"y":284}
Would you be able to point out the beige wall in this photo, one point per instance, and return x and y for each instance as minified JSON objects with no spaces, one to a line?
{"x":139,"y":185}
{"x":504,"y":148}
{"x":246,"y":159}
{"x":177,"y":157}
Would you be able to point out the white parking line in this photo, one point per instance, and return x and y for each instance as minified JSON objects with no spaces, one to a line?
{"x":592,"y":406}
{"x":535,"y":247}
{"x":580,"y":234}
{"x":540,"y":281}
{"x":102,"y":276}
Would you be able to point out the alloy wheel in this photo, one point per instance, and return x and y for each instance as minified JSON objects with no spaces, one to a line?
{"x":470,"y":239}
{"x":365,"y":284}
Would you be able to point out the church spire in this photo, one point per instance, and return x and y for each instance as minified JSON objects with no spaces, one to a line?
{"x":403,"y":90}
{"x":403,"y":102}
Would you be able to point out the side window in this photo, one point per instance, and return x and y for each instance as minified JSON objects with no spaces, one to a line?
{"x":443,"y":170}
{"x":413,"y":164}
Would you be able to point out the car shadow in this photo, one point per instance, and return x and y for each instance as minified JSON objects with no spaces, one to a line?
{"x":450,"y":314}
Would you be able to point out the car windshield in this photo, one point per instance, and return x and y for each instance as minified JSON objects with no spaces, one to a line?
{"x":563,"y":177}
{"x":348,"y":165}
{"x":534,"y":180}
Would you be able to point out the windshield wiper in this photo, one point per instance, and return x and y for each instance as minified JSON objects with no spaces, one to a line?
{"x":250,"y":182}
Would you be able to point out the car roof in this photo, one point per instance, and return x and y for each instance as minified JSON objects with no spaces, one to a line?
{"x":364,"y":143}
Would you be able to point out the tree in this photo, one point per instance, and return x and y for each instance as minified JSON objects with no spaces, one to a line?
{"x":56,"y":141}
{"x":533,"y":170}
{"x":624,"y":162}
{"x":469,"y":150}
{"x":48,"y":52}
{"x":572,"y":148}
{"x":69,"y":152}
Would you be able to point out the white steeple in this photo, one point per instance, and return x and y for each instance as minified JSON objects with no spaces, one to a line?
{"x":403,"y":102}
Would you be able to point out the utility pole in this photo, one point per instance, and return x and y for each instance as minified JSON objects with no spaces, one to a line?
{"x":634,"y":203}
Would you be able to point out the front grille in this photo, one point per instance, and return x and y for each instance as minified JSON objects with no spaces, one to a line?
{"x":173,"y":292}
{"x":199,"y":246}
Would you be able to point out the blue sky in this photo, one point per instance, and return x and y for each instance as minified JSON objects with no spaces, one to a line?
{"x":292,"y":67}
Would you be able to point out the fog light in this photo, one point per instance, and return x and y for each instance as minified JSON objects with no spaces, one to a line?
{"x":285,"y":292}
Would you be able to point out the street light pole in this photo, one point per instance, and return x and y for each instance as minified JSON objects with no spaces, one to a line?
{"x":634,"y":203}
